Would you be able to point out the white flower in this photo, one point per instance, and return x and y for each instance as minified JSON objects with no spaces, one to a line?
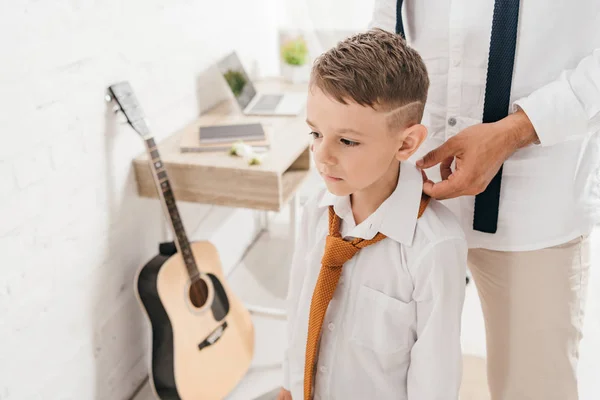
{"x":241,"y":149}
{"x":256,"y":159}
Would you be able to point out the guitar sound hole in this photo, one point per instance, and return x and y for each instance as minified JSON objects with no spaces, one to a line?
{"x":198,"y":293}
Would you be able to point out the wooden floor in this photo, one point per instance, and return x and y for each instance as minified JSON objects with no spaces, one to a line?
{"x":474,"y":385}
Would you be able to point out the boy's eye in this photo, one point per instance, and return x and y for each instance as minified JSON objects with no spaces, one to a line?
{"x":347,"y":142}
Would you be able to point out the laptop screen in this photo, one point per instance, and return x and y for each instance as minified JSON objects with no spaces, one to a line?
{"x":241,"y":86}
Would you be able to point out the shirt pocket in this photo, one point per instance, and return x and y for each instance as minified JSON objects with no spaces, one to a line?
{"x":383,"y":326}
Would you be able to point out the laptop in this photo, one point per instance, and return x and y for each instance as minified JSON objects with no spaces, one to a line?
{"x":252,"y":102}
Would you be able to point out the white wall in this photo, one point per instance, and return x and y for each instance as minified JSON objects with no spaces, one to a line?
{"x":72,"y":229}
{"x":324,"y":22}
{"x":341,"y":15}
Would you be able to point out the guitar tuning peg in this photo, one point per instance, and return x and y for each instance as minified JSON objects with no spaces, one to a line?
{"x":121,"y":118}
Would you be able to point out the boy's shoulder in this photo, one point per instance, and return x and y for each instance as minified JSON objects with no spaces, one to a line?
{"x":312,"y":209}
{"x":437,"y":224}
{"x":315,"y":197}
{"x":436,"y":227}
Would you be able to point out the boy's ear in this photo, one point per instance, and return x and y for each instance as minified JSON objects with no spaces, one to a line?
{"x":413,"y":136}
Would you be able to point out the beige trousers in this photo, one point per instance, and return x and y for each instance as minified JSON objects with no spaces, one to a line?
{"x":533,"y":304}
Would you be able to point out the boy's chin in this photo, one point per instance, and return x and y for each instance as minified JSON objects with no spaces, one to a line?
{"x":338,"y":188}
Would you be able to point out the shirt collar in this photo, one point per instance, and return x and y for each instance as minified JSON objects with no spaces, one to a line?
{"x":396,"y":217}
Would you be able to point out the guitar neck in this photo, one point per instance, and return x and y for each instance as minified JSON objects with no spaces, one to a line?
{"x":168,"y":201}
{"x":123,"y":94}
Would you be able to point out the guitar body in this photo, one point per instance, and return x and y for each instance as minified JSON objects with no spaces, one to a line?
{"x":180,"y":369}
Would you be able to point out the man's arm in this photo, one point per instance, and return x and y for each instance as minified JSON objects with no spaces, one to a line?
{"x":564,"y":108}
{"x":436,"y":358}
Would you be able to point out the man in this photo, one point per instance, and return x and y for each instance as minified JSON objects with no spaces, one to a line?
{"x":531,"y":269}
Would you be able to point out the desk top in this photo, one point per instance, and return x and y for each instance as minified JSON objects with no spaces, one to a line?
{"x":219,"y":178}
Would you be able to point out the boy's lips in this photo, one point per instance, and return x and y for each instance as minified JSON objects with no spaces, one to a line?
{"x":330,"y":177}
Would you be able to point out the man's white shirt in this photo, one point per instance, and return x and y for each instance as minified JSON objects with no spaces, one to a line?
{"x":550,"y":192}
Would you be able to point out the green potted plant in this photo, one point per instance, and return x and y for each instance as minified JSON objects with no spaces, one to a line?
{"x":236,"y":82}
{"x":295,"y":56}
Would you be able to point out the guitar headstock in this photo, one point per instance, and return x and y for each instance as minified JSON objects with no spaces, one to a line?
{"x":123,"y":95}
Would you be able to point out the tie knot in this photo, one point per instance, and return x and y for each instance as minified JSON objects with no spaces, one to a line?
{"x":337,"y":252}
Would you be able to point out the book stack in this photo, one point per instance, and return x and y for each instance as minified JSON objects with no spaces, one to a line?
{"x":222,"y":137}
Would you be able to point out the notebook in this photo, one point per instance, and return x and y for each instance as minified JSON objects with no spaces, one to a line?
{"x":231,"y":133}
{"x":222,"y":139}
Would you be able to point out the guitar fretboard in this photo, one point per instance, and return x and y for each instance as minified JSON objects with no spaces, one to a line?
{"x":168,"y":199}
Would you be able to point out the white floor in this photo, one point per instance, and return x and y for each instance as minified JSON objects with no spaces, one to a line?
{"x":261,"y":279}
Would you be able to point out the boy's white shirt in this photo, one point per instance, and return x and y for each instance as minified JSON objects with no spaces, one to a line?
{"x":392,"y":329}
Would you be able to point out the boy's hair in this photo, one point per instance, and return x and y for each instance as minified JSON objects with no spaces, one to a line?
{"x":376,"y":69}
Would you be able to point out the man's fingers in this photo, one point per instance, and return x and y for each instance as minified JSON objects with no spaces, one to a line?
{"x":438,"y":155}
{"x":440,"y":190}
{"x":445,"y":171}
{"x":449,"y":188}
{"x":424,"y":175}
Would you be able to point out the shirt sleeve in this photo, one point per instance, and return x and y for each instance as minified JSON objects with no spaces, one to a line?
{"x":436,"y":357}
{"x":296,"y":279}
{"x":564,"y":108}
{"x":384,"y":15}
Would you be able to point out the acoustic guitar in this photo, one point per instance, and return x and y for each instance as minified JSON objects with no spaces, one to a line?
{"x":202,"y":336}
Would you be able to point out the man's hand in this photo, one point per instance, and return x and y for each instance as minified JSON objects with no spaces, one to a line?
{"x":284,"y":395}
{"x":479,"y":152}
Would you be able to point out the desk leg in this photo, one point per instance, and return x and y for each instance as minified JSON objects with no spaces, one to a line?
{"x":294,"y":218}
{"x":265,"y":220}
{"x":294,"y":226}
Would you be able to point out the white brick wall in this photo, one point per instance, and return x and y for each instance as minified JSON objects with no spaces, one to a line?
{"x":72,"y":230}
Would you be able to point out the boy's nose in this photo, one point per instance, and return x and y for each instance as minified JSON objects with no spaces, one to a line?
{"x":323,"y":153}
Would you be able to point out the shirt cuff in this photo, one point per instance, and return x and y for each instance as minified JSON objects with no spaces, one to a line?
{"x":554,"y":112}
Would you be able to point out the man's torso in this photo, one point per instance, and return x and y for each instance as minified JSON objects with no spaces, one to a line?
{"x":542,"y":197}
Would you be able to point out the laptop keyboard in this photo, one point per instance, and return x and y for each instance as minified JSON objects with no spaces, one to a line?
{"x":267,"y":102}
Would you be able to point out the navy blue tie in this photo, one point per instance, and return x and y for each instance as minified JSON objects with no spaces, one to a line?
{"x":497,"y":96}
{"x":399,"y":24}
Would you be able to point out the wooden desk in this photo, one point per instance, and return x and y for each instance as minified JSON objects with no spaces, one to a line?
{"x":221,"y":179}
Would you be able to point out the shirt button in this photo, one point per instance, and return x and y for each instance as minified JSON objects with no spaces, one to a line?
{"x":331,"y":326}
{"x":451,"y":121}
{"x":456,"y":62}
{"x":323,"y":369}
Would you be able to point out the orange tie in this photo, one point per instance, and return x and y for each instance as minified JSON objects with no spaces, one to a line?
{"x":337,"y":252}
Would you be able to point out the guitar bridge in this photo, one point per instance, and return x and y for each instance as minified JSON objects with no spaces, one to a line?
{"x":214,"y":336}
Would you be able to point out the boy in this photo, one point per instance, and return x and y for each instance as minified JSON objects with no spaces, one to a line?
{"x":386,"y":325}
